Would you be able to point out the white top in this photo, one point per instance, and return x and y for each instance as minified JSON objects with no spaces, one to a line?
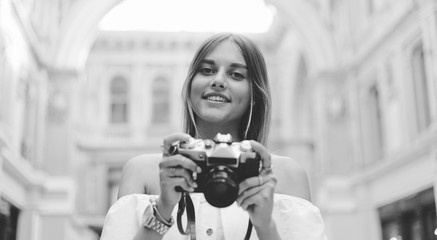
{"x":296,"y":219}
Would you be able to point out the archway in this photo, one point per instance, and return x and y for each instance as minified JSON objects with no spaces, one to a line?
{"x":79,"y":30}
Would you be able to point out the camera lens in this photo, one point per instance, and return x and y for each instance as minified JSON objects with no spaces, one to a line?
{"x":221,"y":188}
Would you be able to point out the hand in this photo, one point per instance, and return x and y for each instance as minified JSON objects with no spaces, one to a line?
{"x":175,"y":171}
{"x":256,"y":193}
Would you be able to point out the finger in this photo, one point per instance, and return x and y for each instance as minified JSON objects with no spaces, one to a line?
{"x":266,"y":171}
{"x":180,"y":161}
{"x":176,"y":172}
{"x":252,"y":182}
{"x":256,"y":196}
{"x":248,"y":193}
{"x":170,"y":140}
{"x":262,"y":151}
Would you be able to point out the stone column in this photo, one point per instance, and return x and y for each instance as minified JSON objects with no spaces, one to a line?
{"x":334,"y":153}
{"x":59,"y":128}
{"x":333,"y":123}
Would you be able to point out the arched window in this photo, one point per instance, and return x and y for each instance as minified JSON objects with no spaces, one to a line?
{"x":371,"y":123}
{"x":119,"y":107}
{"x":420,"y":82}
{"x":161,"y":101}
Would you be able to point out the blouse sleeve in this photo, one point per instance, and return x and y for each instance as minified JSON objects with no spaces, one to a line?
{"x":298,"y":219}
{"x":123,"y":220}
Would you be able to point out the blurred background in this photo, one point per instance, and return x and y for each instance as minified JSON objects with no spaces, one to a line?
{"x":86,"y":85}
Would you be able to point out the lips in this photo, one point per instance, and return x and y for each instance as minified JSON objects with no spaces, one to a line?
{"x":216,"y":97}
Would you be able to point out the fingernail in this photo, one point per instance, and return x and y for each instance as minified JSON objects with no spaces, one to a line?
{"x":199,"y":170}
{"x":195,"y":175}
{"x":195,"y":185}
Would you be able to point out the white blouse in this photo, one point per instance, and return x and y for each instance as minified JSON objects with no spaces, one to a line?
{"x":296,"y":219}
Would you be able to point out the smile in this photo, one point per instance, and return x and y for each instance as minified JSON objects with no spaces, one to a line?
{"x":214,"y":97}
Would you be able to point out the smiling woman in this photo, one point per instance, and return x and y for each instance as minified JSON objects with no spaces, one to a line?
{"x":190,"y":15}
{"x":244,"y":185}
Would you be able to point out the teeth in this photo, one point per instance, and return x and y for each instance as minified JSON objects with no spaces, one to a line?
{"x":216,"y":99}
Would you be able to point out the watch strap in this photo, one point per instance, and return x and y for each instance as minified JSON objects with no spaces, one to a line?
{"x":150,"y":221}
{"x":156,"y":212}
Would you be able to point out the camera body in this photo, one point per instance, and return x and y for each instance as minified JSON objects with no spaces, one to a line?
{"x":224,"y":165}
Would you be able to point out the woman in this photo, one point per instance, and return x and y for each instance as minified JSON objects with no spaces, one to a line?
{"x":226,"y":91}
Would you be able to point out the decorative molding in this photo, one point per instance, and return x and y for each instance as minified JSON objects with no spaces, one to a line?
{"x":57,"y":108}
{"x":53,"y":195}
{"x":407,"y":153}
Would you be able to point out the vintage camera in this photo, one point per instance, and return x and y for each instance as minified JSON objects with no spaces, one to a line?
{"x":224,"y":165}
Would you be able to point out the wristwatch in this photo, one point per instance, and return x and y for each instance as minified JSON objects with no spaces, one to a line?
{"x":151,"y":221}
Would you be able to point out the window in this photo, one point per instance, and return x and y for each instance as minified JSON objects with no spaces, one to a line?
{"x":371,"y":121}
{"x":420,"y":87}
{"x":2,"y":86}
{"x":8,"y":220}
{"x":113,"y":181}
{"x":413,"y":217}
{"x":161,"y":98}
{"x":29,"y":124}
{"x":119,"y":100}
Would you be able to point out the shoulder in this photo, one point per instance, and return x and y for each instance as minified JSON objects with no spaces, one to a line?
{"x":292,"y":177}
{"x":141,"y":164}
{"x":139,"y":174}
{"x":140,"y":161}
{"x":288,"y":164}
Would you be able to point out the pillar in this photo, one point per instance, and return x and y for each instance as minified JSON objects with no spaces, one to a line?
{"x":59,"y":128}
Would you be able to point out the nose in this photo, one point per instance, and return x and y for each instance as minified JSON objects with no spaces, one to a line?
{"x":218,"y":82}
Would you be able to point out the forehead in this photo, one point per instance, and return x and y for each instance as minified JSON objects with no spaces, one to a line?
{"x":226,"y":51}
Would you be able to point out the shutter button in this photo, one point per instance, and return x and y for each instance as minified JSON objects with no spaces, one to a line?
{"x":209,"y":232}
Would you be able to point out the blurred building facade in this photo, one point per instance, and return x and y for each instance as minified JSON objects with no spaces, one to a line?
{"x":354,"y":100}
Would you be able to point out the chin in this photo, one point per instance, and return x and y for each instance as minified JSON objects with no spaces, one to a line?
{"x":213,"y":119}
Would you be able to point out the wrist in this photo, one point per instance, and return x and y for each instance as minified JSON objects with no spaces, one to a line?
{"x":165,"y":210}
{"x":153,"y":220}
{"x":267,"y":231}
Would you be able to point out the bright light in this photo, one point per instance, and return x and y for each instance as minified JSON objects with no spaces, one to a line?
{"x":398,"y":237}
{"x":189,"y":15}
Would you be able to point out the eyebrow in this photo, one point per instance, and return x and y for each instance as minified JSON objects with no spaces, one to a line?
{"x":212,"y":62}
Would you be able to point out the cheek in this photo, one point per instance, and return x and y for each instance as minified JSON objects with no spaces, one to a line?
{"x":195,"y":90}
{"x":198,"y":84}
{"x":244,"y":93}
{"x":245,"y":103}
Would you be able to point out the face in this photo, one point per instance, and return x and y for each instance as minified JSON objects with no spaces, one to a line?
{"x":220,"y":90}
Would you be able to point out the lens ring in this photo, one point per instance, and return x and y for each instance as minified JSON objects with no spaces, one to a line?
{"x":221,"y":188}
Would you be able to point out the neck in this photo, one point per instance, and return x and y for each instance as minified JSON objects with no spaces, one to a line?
{"x":209,"y":130}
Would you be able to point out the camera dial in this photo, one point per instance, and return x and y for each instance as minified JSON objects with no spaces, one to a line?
{"x":224,"y":165}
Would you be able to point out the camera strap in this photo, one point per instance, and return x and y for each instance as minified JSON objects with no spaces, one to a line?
{"x":249,"y":230}
{"x":186,"y":203}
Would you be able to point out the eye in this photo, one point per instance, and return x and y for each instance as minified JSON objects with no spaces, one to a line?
{"x":206,"y":71}
{"x":237,"y":75}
